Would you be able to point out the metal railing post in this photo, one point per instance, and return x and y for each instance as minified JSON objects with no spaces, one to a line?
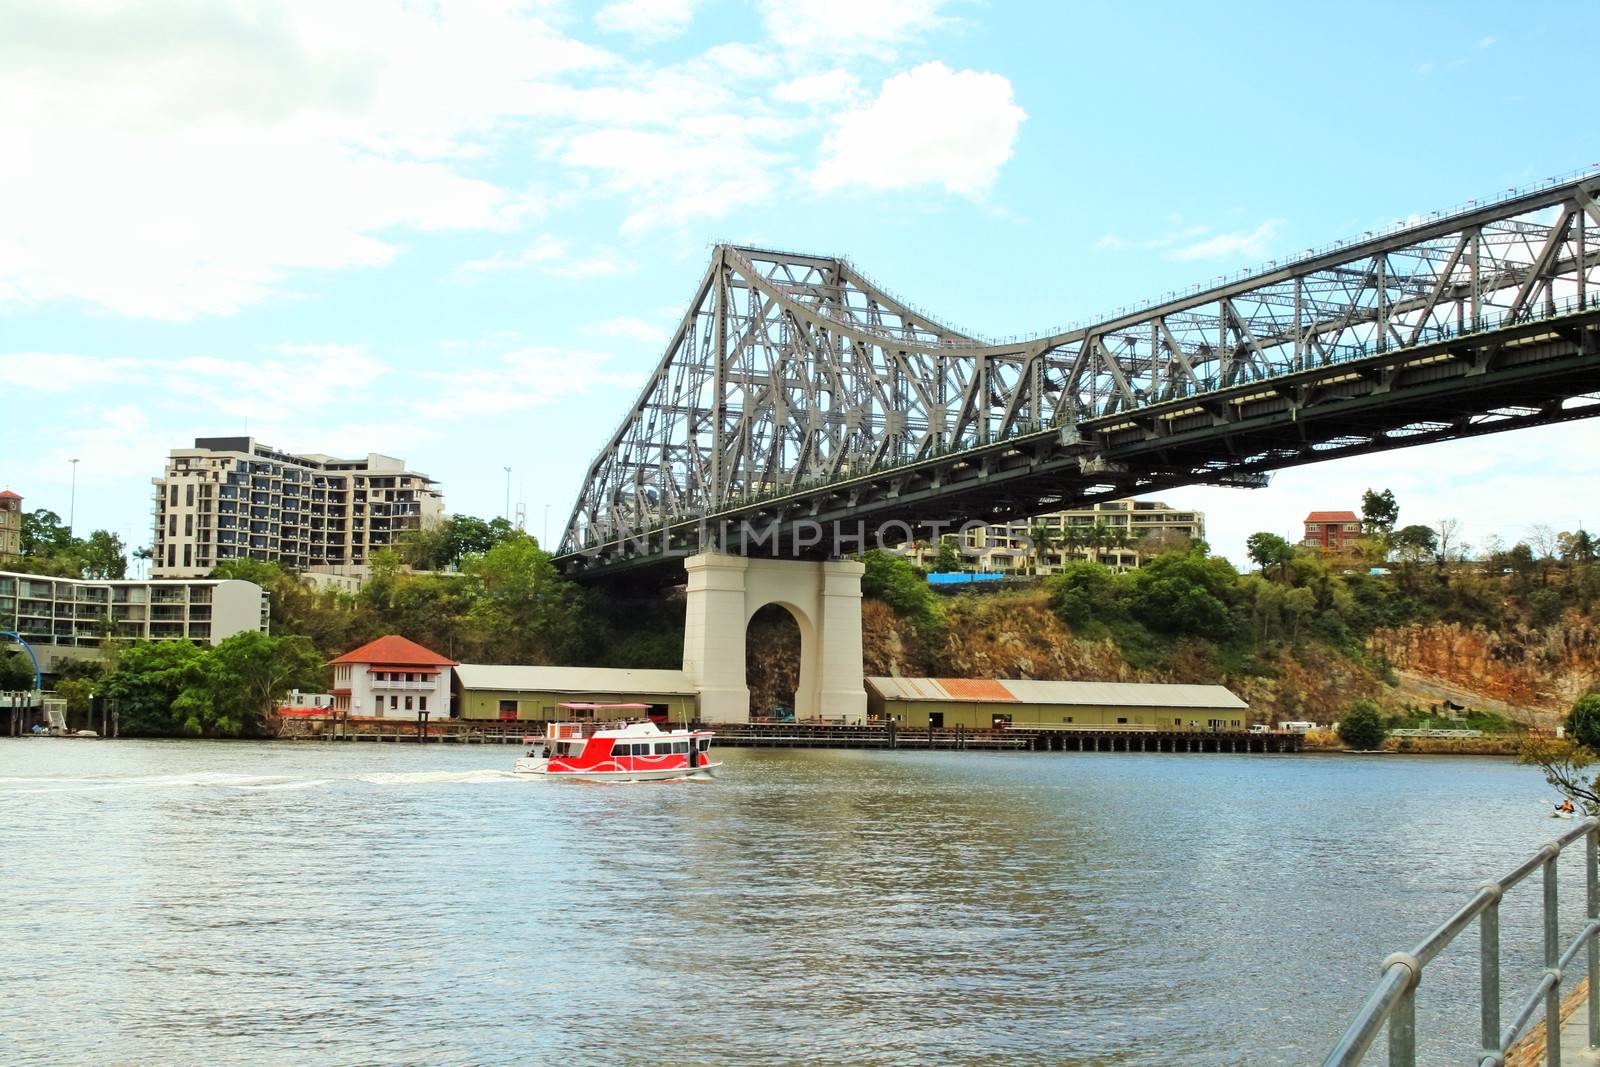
{"x":1489,"y":971}
{"x":1403,"y":1017}
{"x":1591,"y":847}
{"x":1552,"y":961}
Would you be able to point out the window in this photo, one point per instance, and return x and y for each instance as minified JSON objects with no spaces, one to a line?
{"x":622,"y":750}
{"x":172,"y":526}
{"x":188,"y":526}
{"x":508,"y":705}
{"x":663,"y":748}
{"x":422,"y":703}
{"x":1066,"y":718}
{"x":188,"y":494}
{"x":1177,"y":722}
{"x":680,"y":746}
{"x":1122,"y":720}
{"x":188,"y":555}
{"x":394,"y":702}
{"x":408,"y":703}
{"x":705,"y":743}
{"x":172,"y":493}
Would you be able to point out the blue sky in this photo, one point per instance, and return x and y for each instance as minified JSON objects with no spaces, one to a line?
{"x":460,"y":233}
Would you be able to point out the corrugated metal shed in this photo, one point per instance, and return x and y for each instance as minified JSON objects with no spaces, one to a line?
{"x":1028,"y":691}
{"x":1125,"y":694}
{"x":515,"y":678}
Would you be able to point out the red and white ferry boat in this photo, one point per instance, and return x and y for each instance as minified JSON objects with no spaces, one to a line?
{"x":618,"y":751}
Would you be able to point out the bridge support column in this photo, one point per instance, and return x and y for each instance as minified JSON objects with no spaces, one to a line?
{"x":725,"y":592}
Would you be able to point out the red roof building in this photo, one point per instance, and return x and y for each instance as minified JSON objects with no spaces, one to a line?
{"x":392,"y":677}
{"x":1331,"y":531}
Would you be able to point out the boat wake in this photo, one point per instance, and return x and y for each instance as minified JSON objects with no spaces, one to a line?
{"x":254,"y":783}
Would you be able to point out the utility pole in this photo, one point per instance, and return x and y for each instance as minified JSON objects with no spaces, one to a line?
{"x":72,"y":505}
{"x":508,"y":494}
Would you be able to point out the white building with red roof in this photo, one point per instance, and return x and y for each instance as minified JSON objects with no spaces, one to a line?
{"x":392,"y":678}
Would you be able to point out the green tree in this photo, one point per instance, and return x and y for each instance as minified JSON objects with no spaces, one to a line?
{"x":16,"y":669}
{"x":1416,"y":543}
{"x":1182,"y":594}
{"x":1042,"y":540}
{"x":1379,"y":513}
{"x":1566,"y":761}
{"x":1080,"y":593}
{"x":527,"y":612}
{"x":44,"y":534}
{"x":145,"y":681}
{"x":1268,"y":550}
{"x":1362,"y":726}
{"x":1583,"y":722}
{"x":902,"y":585}
{"x":104,"y":556}
{"x":949,"y":559}
{"x":234,"y":689}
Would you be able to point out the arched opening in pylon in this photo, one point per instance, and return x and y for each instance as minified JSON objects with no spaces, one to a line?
{"x":773,"y":644}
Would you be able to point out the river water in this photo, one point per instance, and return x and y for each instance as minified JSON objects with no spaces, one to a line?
{"x":239,"y":903}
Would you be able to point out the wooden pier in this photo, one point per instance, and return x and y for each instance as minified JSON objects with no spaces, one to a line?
{"x":818,"y":735}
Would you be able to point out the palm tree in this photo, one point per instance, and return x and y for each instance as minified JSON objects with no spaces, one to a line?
{"x":1042,"y":539}
{"x":1073,"y":536}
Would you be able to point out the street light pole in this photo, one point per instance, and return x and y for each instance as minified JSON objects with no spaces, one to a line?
{"x":72,"y":505}
{"x":508,"y":494}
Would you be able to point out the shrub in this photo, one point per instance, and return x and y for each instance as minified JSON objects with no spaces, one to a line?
{"x":1362,"y":726}
{"x":1583,"y":722}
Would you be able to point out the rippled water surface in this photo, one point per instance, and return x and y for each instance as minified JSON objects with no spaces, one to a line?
{"x":192,"y":902}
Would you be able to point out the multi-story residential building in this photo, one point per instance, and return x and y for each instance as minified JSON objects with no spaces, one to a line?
{"x":392,"y":677}
{"x":10,"y":525}
{"x":69,"y":618}
{"x":1331,"y":531}
{"x":1118,"y":533}
{"x":232,"y":497}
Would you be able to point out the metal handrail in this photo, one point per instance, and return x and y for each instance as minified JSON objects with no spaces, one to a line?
{"x":1393,"y":1001}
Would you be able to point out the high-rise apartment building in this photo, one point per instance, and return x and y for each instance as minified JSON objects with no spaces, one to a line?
{"x":1117,"y":533}
{"x":10,"y":525}
{"x":232,"y":497}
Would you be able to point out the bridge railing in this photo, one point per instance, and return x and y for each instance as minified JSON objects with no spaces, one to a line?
{"x":1393,"y":1001}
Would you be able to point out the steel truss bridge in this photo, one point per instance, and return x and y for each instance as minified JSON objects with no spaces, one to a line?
{"x":797,"y":396}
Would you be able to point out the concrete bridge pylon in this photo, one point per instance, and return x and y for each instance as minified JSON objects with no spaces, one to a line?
{"x":725,"y":592}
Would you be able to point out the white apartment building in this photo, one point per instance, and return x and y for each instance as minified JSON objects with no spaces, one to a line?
{"x":1117,"y":533}
{"x":69,"y":618}
{"x":232,"y":497}
{"x":392,"y":678}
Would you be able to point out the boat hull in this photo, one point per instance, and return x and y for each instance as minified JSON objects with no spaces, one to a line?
{"x":661,"y":774}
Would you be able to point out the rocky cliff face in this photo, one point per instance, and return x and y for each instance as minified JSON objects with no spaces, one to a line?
{"x":1532,"y":674}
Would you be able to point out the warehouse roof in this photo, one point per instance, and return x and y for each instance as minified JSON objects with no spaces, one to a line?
{"x":1028,"y":691}
{"x":535,"y":679}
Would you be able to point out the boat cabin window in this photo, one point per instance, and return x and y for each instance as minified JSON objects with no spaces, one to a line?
{"x":680,"y":746}
{"x":622,"y":750}
{"x":705,"y":743}
{"x":663,"y":748}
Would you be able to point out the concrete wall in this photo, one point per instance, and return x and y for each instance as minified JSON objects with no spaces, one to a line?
{"x":544,"y":706}
{"x":913,"y":714}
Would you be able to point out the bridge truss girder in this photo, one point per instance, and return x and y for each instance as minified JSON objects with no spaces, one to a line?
{"x":791,"y":374}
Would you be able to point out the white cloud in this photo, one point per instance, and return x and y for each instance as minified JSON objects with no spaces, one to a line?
{"x":947,"y":127}
{"x":701,"y":169}
{"x":851,"y":27}
{"x":545,"y":250}
{"x":61,"y":372}
{"x":829,"y":87}
{"x":1253,"y":244}
{"x":549,"y":255}
{"x":186,"y":159}
{"x":630,"y":329}
{"x":646,"y":20}
{"x":525,"y":378}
